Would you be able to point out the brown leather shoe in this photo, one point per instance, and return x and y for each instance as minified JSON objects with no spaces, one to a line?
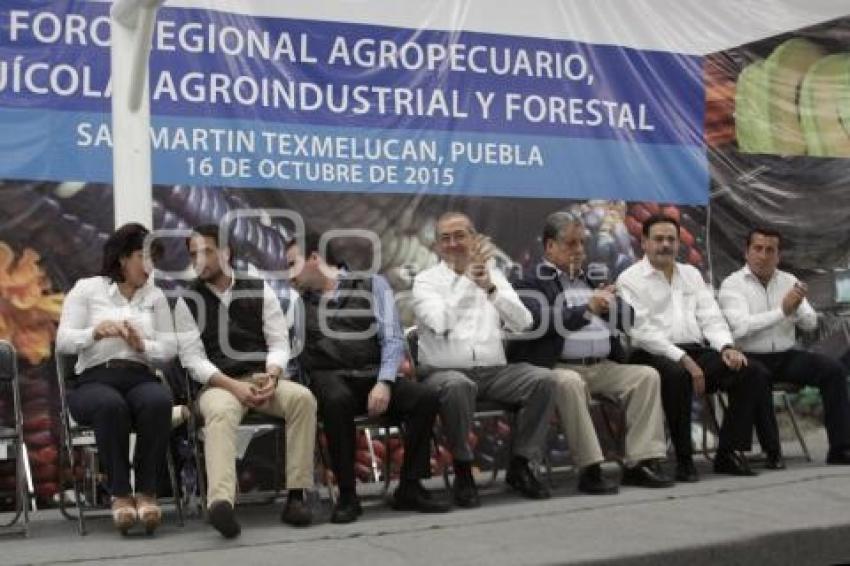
{"x":124,"y":514}
{"x":150,"y":515}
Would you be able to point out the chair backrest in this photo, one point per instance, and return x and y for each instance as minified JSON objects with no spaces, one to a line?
{"x":9,"y":380}
{"x":8,"y":363}
{"x":412,"y":336}
{"x":64,"y":371}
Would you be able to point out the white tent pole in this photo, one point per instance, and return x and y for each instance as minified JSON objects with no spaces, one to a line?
{"x":132,"y":29}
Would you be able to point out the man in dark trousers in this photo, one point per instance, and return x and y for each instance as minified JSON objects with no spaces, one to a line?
{"x":680,"y":331}
{"x":764,"y":306}
{"x":353,"y":347}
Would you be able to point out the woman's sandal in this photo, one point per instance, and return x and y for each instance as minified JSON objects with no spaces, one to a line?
{"x":150,"y":515}
{"x":124,"y":514}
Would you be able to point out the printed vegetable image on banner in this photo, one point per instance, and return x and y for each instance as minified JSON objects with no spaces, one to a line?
{"x":778,"y":134}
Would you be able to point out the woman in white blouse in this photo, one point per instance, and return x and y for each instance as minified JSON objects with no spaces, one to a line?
{"x":118,"y":323}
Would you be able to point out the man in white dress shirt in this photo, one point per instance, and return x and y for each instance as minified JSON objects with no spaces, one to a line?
{"x":680,"y":331}
{"x":234,"y":341}
{"x":764,"y":306}
{"x":461,"y":306}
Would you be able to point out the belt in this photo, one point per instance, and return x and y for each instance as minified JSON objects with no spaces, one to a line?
{"x":123,"y":364}
{"x":588,"y":361}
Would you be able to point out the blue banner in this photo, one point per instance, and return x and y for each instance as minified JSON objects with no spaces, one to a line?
{"x":382,"y":109}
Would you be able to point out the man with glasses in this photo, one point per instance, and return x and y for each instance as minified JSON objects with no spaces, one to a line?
{"x":579,"y":319}
{"x":461,"y":306}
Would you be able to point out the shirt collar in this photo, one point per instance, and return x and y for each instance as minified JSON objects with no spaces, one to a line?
{"x":749,"y":273}
{"x":113,"y":290}
{"x":218,"y":293}
{"x":561,"y":273}
{"x":648,"y":270}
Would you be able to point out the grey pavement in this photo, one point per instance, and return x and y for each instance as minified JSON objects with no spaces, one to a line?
{"x":797,"y":516}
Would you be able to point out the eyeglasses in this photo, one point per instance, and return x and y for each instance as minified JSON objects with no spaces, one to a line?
{"x":459,"y":237}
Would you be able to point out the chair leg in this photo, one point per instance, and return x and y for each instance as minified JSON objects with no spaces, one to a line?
{"x":325,"y":459}
{"x":68,"y":450}
{"x":387,"y":466}
{"x":200,"y":468}
{"x":711,"y":419}
{"x":23,"y":492}
{"x":175,"y":487}
{"x":793,"y":416}
{"x":446,"y":480}
{"x":376,"y":474}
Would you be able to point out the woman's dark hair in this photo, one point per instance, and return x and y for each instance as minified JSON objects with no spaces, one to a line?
{"x":127,"y":239}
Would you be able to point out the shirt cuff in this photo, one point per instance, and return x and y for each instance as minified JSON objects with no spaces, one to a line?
{"x":278,"y":359}
{"x":674,"y":352}
{"x":386,"y":376}
{"x":204,"y":371}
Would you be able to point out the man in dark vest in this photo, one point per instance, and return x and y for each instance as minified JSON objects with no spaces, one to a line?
{"x":353,"y":349}
{"x":234,"y":341}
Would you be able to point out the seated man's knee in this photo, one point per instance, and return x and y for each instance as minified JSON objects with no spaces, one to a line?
{"x":565,"y":380}
{"x":455,"y":384}
{"x":300,"y":396}
{"x":336,"y":400}
{"x":220,"y":410}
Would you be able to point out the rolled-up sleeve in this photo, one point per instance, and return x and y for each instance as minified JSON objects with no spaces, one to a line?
{"x":390,"y":334}
{"x":275,"y":329}
{"x":75,"y":332}
{"x":193,"y":357}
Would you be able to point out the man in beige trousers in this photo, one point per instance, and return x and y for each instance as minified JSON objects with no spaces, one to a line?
{"x":577,"y":322}
{"x":233,"y":340}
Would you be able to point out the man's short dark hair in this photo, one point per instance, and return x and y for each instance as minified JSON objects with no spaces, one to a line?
{"x":212,"y":231}
{"x":764,"y":231}
{"x":123,"y":242}
{"x":556,"y":222}
{"x":311,"y":244}
{"x":659,"y":219}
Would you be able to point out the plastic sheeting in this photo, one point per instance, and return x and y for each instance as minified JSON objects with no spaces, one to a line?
{"x":778,"y":132}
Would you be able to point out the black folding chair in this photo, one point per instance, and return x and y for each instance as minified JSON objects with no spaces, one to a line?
{"x":12,"y":436}
{"x":77,"y":438}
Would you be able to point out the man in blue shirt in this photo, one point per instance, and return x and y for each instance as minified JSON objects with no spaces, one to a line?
{"x":353,"y":348}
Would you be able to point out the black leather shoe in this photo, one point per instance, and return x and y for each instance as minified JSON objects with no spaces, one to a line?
{"x":521,"y":478}
{"x":296,"y":512}
{"x":774,"y":461}
{"x":732,"y":464}
{"x":647,"y":473}
{"x":593,"y":482}
{"x":346,"y":510}
{"x":464,"y":491}
{"x":838,"y":457}
{"x":414,"y":497}
{"x":686,"y":471}
{"x":223,"y":518}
